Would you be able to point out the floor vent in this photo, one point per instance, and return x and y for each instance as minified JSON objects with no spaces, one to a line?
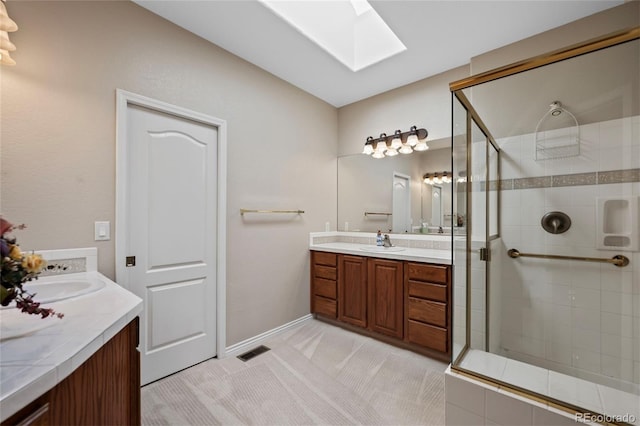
{"x":253,"y":353}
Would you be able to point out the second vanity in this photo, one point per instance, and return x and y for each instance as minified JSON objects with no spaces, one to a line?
{"x":400,"y":294}
{"x":80,"y":369}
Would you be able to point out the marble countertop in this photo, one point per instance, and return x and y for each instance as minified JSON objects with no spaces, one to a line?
{"x":439,"y":256}
{"x":33,"y":363}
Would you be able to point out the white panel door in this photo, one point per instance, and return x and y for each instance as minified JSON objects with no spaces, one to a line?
{"x":401,"y":213}
{"x":171,"y":216}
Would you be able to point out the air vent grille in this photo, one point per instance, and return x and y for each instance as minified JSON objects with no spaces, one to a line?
{"x":253,"y":353}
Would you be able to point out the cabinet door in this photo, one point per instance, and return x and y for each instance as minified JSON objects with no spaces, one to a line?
{"x":385,"y":297}
{"x":352,"y":289}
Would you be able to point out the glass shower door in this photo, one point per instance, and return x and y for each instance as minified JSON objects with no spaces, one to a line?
{"x":476,"y":169}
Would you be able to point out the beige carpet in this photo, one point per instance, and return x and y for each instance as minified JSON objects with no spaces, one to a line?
{"x":314,"y":374}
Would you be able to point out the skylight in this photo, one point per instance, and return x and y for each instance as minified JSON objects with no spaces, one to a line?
{"x":349,"y":30}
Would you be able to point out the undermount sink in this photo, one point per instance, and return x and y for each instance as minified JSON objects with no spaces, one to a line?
{"x":52,"y":291}
{"x":381,"y":249}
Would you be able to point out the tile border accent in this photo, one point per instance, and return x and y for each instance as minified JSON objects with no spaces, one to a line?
{"x":573,"y":179}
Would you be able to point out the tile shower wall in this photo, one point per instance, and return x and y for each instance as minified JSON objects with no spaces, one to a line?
{"x":574,"y":317}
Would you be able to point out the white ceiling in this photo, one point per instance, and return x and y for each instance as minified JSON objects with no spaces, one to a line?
{"x":439,"y":35}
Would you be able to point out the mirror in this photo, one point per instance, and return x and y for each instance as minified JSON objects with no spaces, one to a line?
{"x":389,"y":194}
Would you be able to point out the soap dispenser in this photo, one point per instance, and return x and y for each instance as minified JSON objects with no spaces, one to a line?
{"x":379,"y":239}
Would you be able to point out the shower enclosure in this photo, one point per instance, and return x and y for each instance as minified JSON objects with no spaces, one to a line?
{"x":547,"y":277}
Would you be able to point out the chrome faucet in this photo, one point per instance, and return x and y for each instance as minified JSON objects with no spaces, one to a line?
{"x":387,"y":242}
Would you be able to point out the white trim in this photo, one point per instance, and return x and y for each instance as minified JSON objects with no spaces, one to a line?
{"x":123,"y":99}
{"x":243,"y":346}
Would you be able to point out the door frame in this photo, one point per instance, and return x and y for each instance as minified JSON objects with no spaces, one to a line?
{"x":123,"y":100}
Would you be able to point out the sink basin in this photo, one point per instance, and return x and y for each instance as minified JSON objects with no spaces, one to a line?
{"x":52,"y":291}
{"x":381,"y":249}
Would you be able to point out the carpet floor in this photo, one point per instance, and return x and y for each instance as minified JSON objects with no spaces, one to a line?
{"x":314,"y":374}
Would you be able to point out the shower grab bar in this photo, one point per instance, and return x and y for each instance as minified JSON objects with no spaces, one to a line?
{"x":243,"y":211}
{"x":376,"y":213}
{"x":618,"y":260}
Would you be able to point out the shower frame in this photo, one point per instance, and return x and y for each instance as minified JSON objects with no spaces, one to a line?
{"x":456,"y":88}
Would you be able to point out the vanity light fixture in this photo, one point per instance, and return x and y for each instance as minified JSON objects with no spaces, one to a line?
{"x":7,"y":25}
{"x":437,"y":178}
{"x":400,"y":142}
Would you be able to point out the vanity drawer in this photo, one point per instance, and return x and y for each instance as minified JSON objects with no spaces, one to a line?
{"x":434,"y":313}
{"x":327,"y":272}
{"x":326,"y":307}
{"x":428,"y":290}
{"x":427,"y":335}
{"x":325,"y":288}
{"x":322,"y":258}
{"x":430,"y":273}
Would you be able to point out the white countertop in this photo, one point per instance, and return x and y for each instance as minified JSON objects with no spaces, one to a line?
{"x":32,"y":364}
{"x":442,"y":257}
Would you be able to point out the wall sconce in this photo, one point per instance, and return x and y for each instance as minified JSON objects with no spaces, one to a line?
{"x":437,"y":178}
{"x":7,"y":25}
{"x":399,"y":142}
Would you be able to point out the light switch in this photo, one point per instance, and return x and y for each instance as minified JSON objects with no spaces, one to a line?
{"x":102,"y":231}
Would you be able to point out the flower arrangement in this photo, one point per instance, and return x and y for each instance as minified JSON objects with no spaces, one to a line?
{"x":17,"y":269}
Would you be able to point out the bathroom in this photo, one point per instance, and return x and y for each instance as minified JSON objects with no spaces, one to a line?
{"x":58,"y":173}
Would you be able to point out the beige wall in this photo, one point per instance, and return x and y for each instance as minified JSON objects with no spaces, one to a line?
{"x":58,"y":144}
{"x":426,"y":104}
{"x":608,"y":21}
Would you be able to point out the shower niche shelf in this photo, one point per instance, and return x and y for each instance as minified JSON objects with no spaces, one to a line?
{"x":617,"y":220}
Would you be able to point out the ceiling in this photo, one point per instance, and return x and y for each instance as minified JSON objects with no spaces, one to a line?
{"x":439,"y":36}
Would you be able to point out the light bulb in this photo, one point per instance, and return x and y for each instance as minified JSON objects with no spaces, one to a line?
{"x":381,"y":146}
{"x":421,"y":145}
{"x":378,"y":154}
{"x":406,"y":149}
{"x":391,"y":152}
{"x":396,"y":142}
{"x":412,"y":140}
{"x":368,"y":149}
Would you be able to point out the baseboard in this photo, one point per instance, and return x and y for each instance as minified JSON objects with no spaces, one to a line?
{"x":245,"y":345}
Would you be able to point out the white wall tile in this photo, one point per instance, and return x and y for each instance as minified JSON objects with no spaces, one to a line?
{"x":455,"y":416}
{"x":614,"y":323}
{"x":611,"y":133}
{"x":586,"y":297}
{"x":618,"y":346}
{"x":542,"y":417}
{"x":615,"y":302}
{"x":559,"y":352}
{"x":611,"y":158}
{"x":587,"y":319}
{"x":574,"y":391}
{"x":586,"y":359}
{"x":619,"y":403}
{"x":464,"y":393}
{"x":504,"y":410}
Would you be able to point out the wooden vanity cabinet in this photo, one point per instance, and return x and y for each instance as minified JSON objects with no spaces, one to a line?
{"x":104,"y":390}
{"x":403,"y":303}
{"x":324,"y":288}
{"x":427,"y":291}
{"x":352,"y":290}
{"x":385,"y":297}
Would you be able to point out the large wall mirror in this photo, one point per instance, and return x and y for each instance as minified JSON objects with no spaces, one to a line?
{"x":389,"y":194}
